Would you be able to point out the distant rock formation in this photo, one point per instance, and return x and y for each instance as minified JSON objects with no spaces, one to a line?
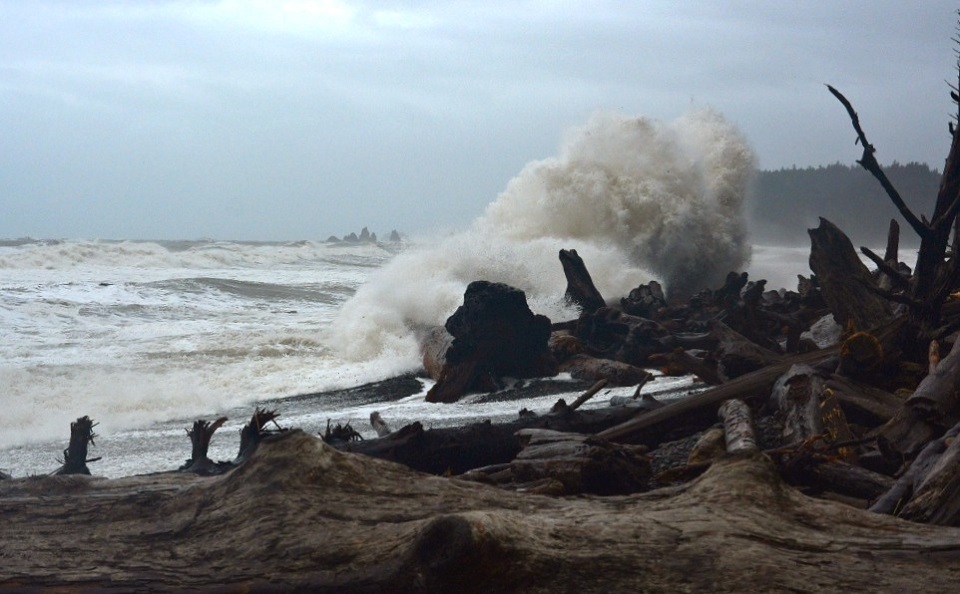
{"x":366,"y":236}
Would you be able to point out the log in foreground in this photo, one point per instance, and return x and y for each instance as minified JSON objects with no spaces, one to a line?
{"x":299,"y":515}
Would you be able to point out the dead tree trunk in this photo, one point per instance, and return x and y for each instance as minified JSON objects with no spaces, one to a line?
{"x":253,"y":432}
{"x":936,"y":274}
{"x":844,"y":280}
{"x":200,"y":437}
{"x":580,"y":288}
{"x":75,"y":456}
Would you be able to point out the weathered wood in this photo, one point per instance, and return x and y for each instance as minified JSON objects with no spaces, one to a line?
{"x":685,"y":363}
{"x":379,"y":425}
{"x":844,"y":280}
{"x":937,"y":398}
{"x":256,"y":430}
{"x":849,"y":480}
{"x":736,"y":354}
{"x":936,"y":498}
{"x":617,"y":373}
{"x":905,"y":435}
{"x":589,"y":394}
{"x":75,"y":456}
{"x":862,"y":403}
{"x":901,"y":491}
{"x":699,"y":410}
{"x":644,"y":301}
{"x":581,"y":463}
{"x":710,"y":446}
{"x":611,"y":334}
{"x":738,"y":427}
{"x":300,"y":516}
{"x":456,"y":450}
{"x":797,"y":397}
{"x":580,"y":288}
{"x":935,"y":274}
{"x":200,"y":436}
{"x":932,"y":408}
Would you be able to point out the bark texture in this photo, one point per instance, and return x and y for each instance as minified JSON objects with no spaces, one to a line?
{"x":300,"y":515}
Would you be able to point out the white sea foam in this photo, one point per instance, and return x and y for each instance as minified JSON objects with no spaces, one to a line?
{"x":635,"y":197}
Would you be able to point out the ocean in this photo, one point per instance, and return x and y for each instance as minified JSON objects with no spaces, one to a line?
{"x":147,"y":336}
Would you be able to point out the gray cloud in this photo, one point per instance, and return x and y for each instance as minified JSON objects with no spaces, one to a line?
{"x":240,"y":119}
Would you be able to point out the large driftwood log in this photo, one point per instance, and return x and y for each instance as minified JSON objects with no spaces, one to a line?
{"x":848,"y":479}
{"x":844,"y":281}
{"x":456,"y":450}
{"x":937,"y":398}
{"x":930,"y":410}
{"x":936,"y":498}
{"x":736,"y":354}
{"x":901,"y":492}
{"x":862,"y":403}
{"x":580,"y":288}
{"x":301,"y":516}
{"x":580,"y":463}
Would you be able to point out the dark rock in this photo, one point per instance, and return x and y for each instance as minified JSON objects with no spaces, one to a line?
{"x":494,"y":335}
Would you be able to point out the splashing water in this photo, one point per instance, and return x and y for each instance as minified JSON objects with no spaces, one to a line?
{"x":636,"y":197}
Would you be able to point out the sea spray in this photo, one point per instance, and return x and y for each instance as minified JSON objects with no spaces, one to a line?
{"x":636,"y":197}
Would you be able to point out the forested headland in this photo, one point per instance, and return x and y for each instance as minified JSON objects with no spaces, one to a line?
{"x":787,"y":202}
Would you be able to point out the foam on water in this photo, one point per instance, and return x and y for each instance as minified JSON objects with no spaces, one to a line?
{"x":637,"y":198}
{"x":133,"y":333}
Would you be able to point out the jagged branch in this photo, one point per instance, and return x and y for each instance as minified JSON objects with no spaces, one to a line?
{"x":869,"y":162}
{"x":895,"y":275}
{"x":895,"y":297}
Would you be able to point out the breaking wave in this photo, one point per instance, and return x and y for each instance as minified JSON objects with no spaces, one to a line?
{"x":637,"y":198}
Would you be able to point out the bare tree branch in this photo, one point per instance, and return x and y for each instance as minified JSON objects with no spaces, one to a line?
{"x":869,"y":162}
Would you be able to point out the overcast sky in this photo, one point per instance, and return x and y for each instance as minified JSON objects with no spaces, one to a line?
{"x":256,"y":119}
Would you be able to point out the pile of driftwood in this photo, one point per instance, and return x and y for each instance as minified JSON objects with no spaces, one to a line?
{"x":870,"y":419}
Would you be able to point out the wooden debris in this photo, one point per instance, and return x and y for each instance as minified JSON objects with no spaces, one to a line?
{"x":738,"y":427}
{"x":797,"y":398}
{"x":580,"y":288}
{"x":844,"y":281}
{"x":75,"y":456}
{"x":256,"y":430}
{"x":200,"y":437}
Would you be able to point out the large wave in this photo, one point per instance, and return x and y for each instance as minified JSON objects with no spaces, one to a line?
{"x":638,"y":198}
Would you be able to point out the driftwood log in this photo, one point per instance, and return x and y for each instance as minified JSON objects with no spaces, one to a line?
{"x":580,"y":288}
{"x":563,"y":463}
{"x":455,"y":450}
{"x":299,"y":515}
{"x":844,"y":281}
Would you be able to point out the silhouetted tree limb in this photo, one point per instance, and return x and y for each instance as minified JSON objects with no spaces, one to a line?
{"x":869,"y":162}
